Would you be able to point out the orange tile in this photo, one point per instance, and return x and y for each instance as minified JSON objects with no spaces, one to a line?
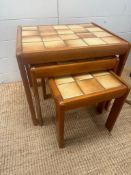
{"x":46,"y":28}
{"x":30,"y":33}
{"x":75,"y":26}
{"x":64,"y":32}
{"x":86,"y":35}
{"x":33,"y":47}
{"x":54,"y":44}
{"x":87,"y":25}
{"x":48,"y":33}
{"x":79,"y":30}
{"x":90,"y":86}
{"x":68,"y":36}
{"x":31,"y":39}
{"x":51,"y":38}
{"x":30,"y":28}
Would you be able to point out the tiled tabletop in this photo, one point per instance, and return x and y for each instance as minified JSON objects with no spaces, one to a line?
{"x":82,"y":84}
{"x":55,"y":37}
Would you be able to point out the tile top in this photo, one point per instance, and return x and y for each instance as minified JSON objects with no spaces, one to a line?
{"x":88,"y":83}
{"x":56,"y":37}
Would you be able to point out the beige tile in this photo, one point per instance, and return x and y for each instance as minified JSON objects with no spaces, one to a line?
{"x":48,"y":33}
{"x":76,"y":43}
{"x":112,"y":40}
{"x":83,"y":76}
{"x":60,"y":27}
{"x":75,"y":26}
{"x":51,"y":38}
{"x":88,"y":25}
{"x":86,"y":35}
{"x":63,"y":80}
{"x":90,"y":86}
{"x":46,"y":28}
{"x":95,"y":29}
{"x":31,"y":39}
{"x":79,"y":30}
{"x":33,"y":47}
{"x":96,"y":74}
{"x":54,"y":44}
{"x":30,"y":33}
{"x":108,"y":81}
{"x":94,"y":41}
{"x":30,"y":28}
{"x":102,"y":34}
{"x":64,"y":32}
{"x":69,"y":90}
{"x":68,"y":36}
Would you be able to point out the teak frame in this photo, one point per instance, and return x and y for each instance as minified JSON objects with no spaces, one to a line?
{"x":119,"y":93}
{"x":26,"y":59}
{"x":67,"y":69}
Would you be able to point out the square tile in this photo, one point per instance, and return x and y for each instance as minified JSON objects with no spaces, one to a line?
{"x":30,"y":28}
{"x":60,"y":27}
{"x":68,"y":36}
{"x":75,"y":26}
{"x":79,"y":30}
{"x":95,"y":29}
{"x":31,"y":39}
{"x":94,"y":41}
{"x":51,"y":38}
{"x":102,"y":34}
{"x":63,"y":80}
{"x":112,"y":40}
{"x":33,"y":47}
{"x":83,"y":76}
{"x":90,"y":86}
{"x":87,"y":25}
{"x":63,"y":31}
{"x":76,"y":43}
{"x":69,"y":90}
{"x":30,"y":33}
{"x":46,"y":28}
{"x":86,"y":35}
{"x":108,"y":81}
{"x":48,"y":33}
{"x":54,"y":44}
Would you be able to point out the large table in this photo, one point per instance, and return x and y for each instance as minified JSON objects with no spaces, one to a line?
{"x":57,"y":43}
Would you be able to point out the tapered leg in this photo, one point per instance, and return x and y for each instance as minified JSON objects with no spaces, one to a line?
{"x":115,"y":110}
{"x":37,"y":99}
{"x":27,"y":90}
{"x":60,"y":125}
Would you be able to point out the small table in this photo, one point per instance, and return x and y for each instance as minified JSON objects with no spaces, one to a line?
{"x":57,"y":43}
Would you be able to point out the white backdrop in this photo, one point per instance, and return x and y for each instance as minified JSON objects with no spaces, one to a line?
{"x":112,"y":14}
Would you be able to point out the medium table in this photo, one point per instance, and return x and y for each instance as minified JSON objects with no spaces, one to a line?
{"x":57,"y":43}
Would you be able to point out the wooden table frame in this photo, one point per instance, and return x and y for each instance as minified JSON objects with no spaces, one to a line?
{"x":25,"y":59}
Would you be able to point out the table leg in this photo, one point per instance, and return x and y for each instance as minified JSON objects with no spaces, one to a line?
{"x":115,"y":110}
{"x":27,"y":90}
